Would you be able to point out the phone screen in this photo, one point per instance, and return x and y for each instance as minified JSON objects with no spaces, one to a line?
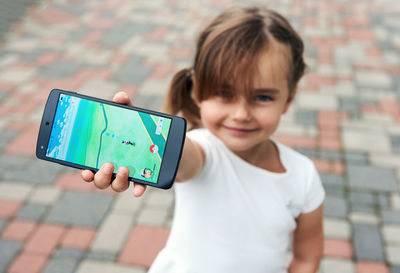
{"x":91,"y":133}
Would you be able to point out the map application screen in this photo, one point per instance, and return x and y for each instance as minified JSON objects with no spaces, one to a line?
{"x":92,"y":133}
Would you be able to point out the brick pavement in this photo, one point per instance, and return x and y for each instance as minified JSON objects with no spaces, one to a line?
{"x":346,"y":118}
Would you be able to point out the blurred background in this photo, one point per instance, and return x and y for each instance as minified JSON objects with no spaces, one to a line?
{"x":346,"y":118}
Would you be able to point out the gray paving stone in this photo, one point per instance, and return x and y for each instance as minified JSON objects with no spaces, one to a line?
{"x":366,"y":208}
{"x":307,"y":117}
{"x":314,"y":153}
{"x":383,"y":201}
{"x":8,"y":249}
{"x":149,"y":101}
{"x":391,"y":216}
{"x":354,"y":158}
{"x":372,"y":178}
{"x":60,"y":266}
{"x":67,"y":253}
{"x":132,"y":72}
{"x":31,"y":211}
{"x":7,"y":136}
{"x":395,"y":140}
{"x":361,"y":198}
{"x":123,"y":32}
{"x":367,"y":242}
{"x":331,"y":155}
{"x":395,"y":269}
{"x":3,"y":223}
{"x":80,"y":209}
{"x":35,"y":171}
{"x":61,"y":69}
{"x":102,"y":256}
{"x":335,"y":207}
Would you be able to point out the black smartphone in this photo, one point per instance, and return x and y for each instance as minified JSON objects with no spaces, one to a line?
{"x":84,"y":132}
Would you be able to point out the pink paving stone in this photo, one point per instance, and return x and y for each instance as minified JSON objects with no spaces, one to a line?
{"x":322,"y":165}
{"x":162,"y":70}
{"x":360,"y":34}
{"x":371,"y":267}
{"x":297,"y":141}
{"x":28,"y":263}
{"x":374,"y":52}
{"x":9,"y":208}
{"x":4,"y":110}
{"x":92,"y":37}
{"x":131,"y":90}
{"x":25,"y":143}
{"x":45,"y":239}
{"x":46,"y":59}
{"x":337,"y":167}
{"x":338,"y":248}
{"x":143,"y":245}
{"x":56,"y":16}
{"x":78,"y":238}
{"x":390,"y":107}
{"x":19,"y":229}
{"x":180,"y":52}
{"x":73,"y":181}
{"x":157,"y":34}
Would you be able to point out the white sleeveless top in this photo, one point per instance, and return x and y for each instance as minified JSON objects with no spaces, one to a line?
{"x":234,"y":217}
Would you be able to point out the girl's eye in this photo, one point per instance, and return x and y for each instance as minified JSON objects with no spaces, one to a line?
{"x":263,"y":98}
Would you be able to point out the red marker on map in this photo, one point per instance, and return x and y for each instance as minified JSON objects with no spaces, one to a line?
{"x":154,"y":148}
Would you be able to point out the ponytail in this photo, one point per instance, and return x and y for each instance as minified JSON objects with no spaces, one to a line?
{"x":179,"y":100}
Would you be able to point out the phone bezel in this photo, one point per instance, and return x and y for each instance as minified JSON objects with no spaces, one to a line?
{"x":173,"y":146}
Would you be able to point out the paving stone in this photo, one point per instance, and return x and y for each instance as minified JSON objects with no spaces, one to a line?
{"x":8,"y":249}
{"x":105,"y":256}
{"x":362,"y":198}
{"x":13,"y":191}
{"x":80,"y":209}
{"x":357,"y":140}
{"x":112,"y":233}
{"x":395,"y":141}
{"x":7,"y":136}
{"x":331,"y":155}
{"x":393,"y":254}
{"x":152,"y":217}
{"x":335,"y":207}
{"x":395,"y":269}
{"x":317,"y":101}
{"x":3,"y":223}
{"x":160,"y":199}
{"x":60,"y":266}
{"x":363,"y":208}
{"x":372,"y":178}
{"x":126,"y":203}
{"x":60,"y":69}
{"x":132,"y":72}
{"x":307,"y":117}
{"x":336,"y":228}
{"x":364,"y":218}
{"x":333,"y":265}
{"x":106,"y":267}
{"x":368,"y":243}
{"x":391,"y":216}
{"x":391,"y":234}
{"x":70,"y":254}
{"x":373,"y":79}
{"x":34,"y":212}
{"x":395,"y":201}
{"x":149,"y":101}
{"x":45,"y":195}
{"x":355,"y":158}
{"x":309,"y":152}
{"x":383,"y":201}
{"x":122,"y":32}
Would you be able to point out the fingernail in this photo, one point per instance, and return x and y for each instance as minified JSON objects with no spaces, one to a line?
{"x":122,"y":173}
{"x":107,"y":169}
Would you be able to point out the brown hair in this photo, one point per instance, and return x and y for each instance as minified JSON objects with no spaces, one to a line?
{"x":232,"y":41}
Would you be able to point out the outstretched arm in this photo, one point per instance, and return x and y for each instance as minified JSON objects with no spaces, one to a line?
{"x":308,"y":242}
{"x":191,"y":163}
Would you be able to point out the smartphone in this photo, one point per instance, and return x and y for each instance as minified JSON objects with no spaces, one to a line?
{"x":84,"y":132}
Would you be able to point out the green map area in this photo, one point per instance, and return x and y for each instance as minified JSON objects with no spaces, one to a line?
{"x":120,"y":136}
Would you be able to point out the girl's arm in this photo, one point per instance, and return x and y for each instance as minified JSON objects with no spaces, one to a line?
{"x":191,"y":163}
{"x":308,"y":242}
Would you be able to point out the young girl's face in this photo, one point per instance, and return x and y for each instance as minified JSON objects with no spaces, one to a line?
{"x":245,"y":121}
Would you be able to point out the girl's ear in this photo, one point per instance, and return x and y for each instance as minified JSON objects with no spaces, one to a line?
{"x":290,"y":99}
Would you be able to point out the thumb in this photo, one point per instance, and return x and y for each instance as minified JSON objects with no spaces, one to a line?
{"x":122,"y":98}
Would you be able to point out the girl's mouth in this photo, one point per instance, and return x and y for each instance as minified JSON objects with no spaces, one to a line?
{"x":238,"y":131}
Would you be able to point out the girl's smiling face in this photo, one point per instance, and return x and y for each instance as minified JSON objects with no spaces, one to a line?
{"x":245,"y":120}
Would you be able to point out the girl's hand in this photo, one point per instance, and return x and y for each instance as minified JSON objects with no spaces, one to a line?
{"x":102,"y":179}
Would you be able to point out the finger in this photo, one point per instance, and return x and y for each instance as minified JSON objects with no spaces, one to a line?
{"x":102,"y":178}
{"x":87,"y":175}
{"x":138,"y":189}
{"x":122,"y":98}
{"x":121,"y":182}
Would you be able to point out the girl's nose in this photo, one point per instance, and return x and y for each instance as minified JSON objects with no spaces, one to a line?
{"x":241,"y":111}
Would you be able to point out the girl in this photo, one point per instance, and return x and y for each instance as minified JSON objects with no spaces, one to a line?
{"x":244,"y":194}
